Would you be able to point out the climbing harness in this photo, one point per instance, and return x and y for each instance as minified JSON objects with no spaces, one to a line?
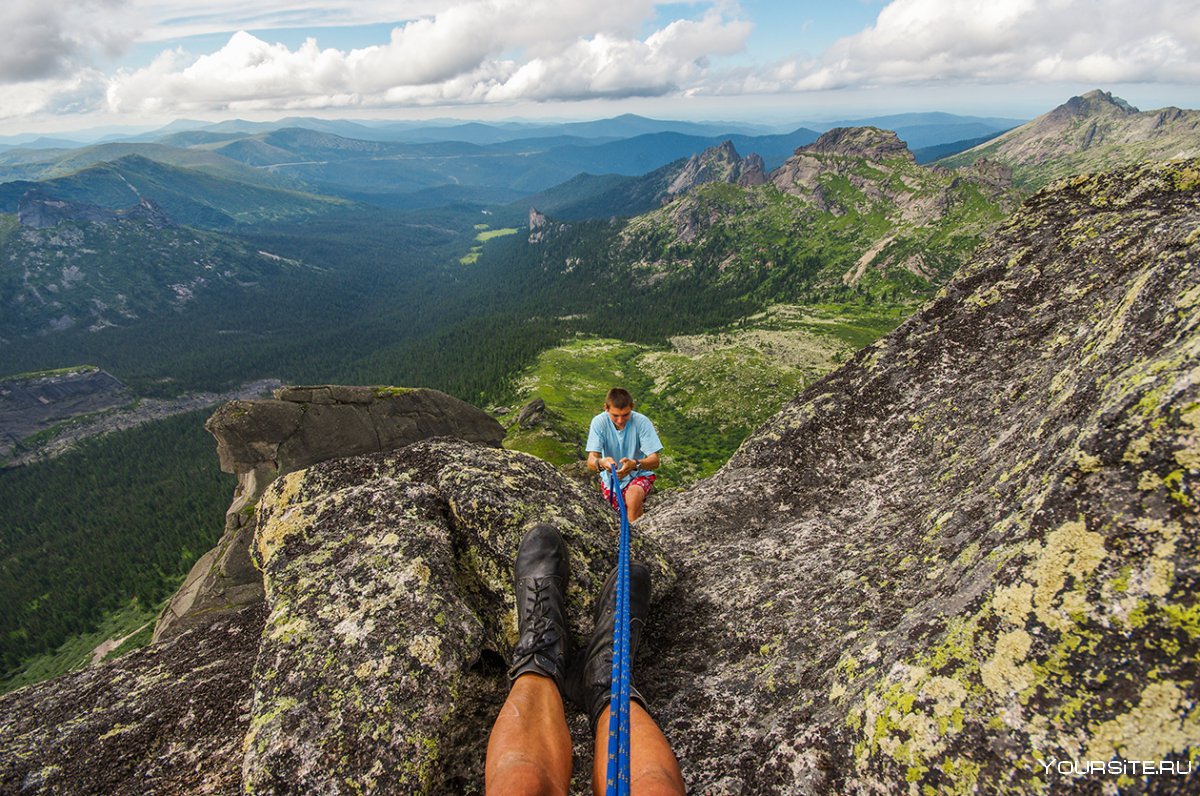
{"x":617,"y":779}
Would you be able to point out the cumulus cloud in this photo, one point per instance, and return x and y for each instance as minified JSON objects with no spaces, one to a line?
{"x":1088,"y":41}
{"x":49,"y":39}
{"x":507,"y":51}
{"x":481,"y":51}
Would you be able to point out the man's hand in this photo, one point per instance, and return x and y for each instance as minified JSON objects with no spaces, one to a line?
{"x":605,"y":464}
{"x":627,"y":466}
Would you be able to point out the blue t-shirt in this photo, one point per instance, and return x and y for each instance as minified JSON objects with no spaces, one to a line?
{"x":636,"y":441}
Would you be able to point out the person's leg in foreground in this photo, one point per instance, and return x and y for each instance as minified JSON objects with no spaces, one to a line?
{"x":635,"y":498}
{"x":529,"y":751}
{"x":653,"y":767}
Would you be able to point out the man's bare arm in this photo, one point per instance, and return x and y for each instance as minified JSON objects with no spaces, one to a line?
{"x":650,"y":462}
{"x":596,"y":463}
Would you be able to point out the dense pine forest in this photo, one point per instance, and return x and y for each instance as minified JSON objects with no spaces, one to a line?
{"x":120,"y":519}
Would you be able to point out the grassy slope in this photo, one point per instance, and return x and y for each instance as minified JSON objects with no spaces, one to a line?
{"x":705,"y":393}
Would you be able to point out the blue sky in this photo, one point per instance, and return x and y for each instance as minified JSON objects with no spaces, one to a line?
{"x":82,"y":63}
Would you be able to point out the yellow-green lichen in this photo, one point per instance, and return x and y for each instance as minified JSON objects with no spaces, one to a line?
{"x":1165,"y":720}
{"x":427,"y":649}
{"x":117,"y":729}
{"x":283,"y":518}
{"x":391,"y":392}
{"x":1007,"y":671}
{"x":1069,"y":551}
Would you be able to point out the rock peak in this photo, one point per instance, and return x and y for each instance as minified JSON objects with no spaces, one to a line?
{"x":720,"y":163}
{"x":871,"y":143}
{"x":1093,"y":103}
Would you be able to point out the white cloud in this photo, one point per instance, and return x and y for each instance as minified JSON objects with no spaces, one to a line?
{"x":482,"y":51}
{"x":47,"y":39}
{"x":508,"y":51}
{"x":1086,"y":41}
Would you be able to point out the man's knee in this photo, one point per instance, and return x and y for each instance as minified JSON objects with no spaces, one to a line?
{"x":519,"y":775}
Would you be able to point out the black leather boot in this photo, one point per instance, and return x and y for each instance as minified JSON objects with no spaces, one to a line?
{"x":590,"y":683}
{"x":540,"y":575}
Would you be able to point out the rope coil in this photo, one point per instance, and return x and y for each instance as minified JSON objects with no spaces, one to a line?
{"x":617,"y":779}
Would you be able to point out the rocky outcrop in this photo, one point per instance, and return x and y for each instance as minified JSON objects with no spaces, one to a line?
{"x":842,"y":152}
{"x":1093,"y":103}
{"x":389,"y":585}
{"x":541,"y":226}
{"x":721,"y":163}
{"x":971,"y":550}
{"x":532,"y":414}
{"x":866,"y":171}
{"x":31,"y":403}
{"x":40,"y":211}
{"x":261,"y":440}
{"x":967,"y":557}
{"x":165,"y":719}
{"x":871,"y":143}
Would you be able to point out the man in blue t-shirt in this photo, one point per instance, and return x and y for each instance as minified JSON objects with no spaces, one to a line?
{"x":627,"y":438}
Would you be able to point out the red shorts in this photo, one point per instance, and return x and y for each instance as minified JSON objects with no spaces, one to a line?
{"x":646,"y":482}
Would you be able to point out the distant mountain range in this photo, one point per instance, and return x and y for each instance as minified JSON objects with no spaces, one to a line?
{"x":922,"y":127}
{"x":414,"y":165}
{"x":858,"y":202}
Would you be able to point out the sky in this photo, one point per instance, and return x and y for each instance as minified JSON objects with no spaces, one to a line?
{"x":82,"y":64}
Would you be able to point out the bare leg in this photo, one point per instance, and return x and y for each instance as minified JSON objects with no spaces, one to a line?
{"x":653,"y":769}
{"x":634,"y":498}
{"x":529,"y":751}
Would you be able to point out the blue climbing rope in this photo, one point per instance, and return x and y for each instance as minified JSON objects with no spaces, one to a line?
{"x":617,"y":780}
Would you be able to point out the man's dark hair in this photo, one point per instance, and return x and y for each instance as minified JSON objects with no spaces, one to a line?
{"x":618,"y":398}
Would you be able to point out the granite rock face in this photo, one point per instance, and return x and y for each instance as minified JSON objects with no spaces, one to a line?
{"x":39,"y":211}
{"x":841,"y":152}
{"x":965,"y":557}
{"x":169,"y":718}
{"x":260,"y":440}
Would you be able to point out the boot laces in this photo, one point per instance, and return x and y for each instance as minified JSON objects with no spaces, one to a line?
{"x":540,"y":632}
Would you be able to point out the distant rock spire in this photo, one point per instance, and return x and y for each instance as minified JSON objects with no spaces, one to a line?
{"x":720,"y":163}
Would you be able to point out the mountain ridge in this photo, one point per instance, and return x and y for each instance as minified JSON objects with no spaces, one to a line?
{"x":1091,"y":132}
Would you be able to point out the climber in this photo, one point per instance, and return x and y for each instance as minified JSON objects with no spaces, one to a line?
{"x":529,"y":751}
{"x":628,"y":438}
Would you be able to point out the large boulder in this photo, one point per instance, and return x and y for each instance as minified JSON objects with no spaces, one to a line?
{"x":260,"y":440}
{"x":380,"y":665}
